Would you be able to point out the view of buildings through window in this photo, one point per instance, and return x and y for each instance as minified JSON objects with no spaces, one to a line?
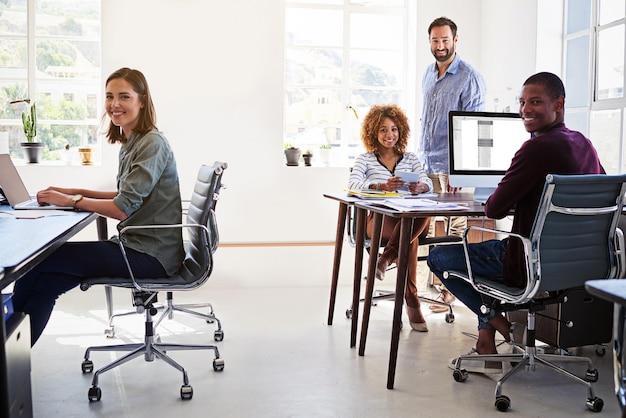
{"x":594,"y":76}
{"x":50,"y":54}
{"x":342,"y":56}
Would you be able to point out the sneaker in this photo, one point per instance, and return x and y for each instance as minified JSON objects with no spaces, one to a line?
{"x":476,"y":366}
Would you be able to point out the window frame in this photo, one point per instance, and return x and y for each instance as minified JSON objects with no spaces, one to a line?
{"x":87,"y":89}
{"x":349,"y":145}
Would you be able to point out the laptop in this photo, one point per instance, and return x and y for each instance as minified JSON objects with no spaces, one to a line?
{"x":14,"y":190}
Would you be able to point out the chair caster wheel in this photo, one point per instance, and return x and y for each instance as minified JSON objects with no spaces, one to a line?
{"x":186,"y":392}
{"x":94,"y":394}
{"x":595,"y":404}
{"x":503,"y":403}
{"x":349,"y":313}
{"x":591,"y":375}
{"x":460,"y":375}
{"x":218,"y":364}
{"x":218,"y":335}
{"x":109,"y":332}
{"x":87,"y":366}
{"x":449,"y":318}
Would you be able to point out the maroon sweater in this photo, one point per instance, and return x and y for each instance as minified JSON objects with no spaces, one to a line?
{"x":557,"y":151}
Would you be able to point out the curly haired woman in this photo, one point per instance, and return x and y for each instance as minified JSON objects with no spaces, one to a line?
{"x":385,"y":133}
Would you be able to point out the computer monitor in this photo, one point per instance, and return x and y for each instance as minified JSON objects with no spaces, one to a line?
{"x":481,"y":147}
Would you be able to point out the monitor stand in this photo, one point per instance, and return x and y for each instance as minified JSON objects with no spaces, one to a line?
{"x":481,"y":194}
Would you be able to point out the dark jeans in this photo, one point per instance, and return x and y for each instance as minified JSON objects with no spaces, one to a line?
{"x":37,"y":291}
{"x":487,"y":260}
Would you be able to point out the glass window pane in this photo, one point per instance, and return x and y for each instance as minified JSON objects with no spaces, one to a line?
{"x":313,"y":66}
{"x":376,"y":68}
{"x":385,"y":3}
{"x":13,"y":17}
{"x":577,"y":72}
{"x":578,"y":15}
{"x":363,"y":99}
{"x":610,"y":75}
{"x":12,"y":90}
{"x":605,"y":134}
{"x":14,"y":54}
{"x":310,"y":27}
{"x":376,"y":31}
{"x":311,"y":106}
{"x":336,"y":2}
{"x":610,"y":11}
{"x":68,"y":18}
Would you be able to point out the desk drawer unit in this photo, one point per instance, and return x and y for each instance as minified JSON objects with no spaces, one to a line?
{"x":592,"y":320}
{"x":17,"y":367}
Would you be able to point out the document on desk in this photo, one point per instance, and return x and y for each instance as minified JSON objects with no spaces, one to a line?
{"x":371,"y":194}
{"x":33,"y":214}
{"x":414,"y":205}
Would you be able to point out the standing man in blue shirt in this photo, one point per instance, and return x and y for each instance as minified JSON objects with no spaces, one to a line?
{"x":448,"y":84}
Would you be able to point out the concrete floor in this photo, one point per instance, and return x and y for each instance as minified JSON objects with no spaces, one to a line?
{"x":282,"y":360}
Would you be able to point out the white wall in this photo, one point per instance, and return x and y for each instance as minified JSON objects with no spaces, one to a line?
{"x":216,"y":74}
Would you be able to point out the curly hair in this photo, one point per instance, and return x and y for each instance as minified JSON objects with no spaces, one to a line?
{"x":373,"y":120}
{"x":147,"y":114}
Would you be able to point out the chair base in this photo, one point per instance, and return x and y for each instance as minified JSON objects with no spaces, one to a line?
{"x":149,"y":349}
{"x":168,"y":312}
{"x":389,"y":295}
{"x":527,"y":360}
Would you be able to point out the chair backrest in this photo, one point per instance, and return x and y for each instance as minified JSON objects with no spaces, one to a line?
{"x":573,"y":238}
{"x":198,"y":262}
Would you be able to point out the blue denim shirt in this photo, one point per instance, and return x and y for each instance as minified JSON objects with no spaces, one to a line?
{"x":460,"y":88}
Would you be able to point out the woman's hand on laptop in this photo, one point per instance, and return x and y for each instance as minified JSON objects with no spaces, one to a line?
{"x":51,"y":196}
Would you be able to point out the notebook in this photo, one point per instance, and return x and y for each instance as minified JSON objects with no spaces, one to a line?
{"x":13,"y":188}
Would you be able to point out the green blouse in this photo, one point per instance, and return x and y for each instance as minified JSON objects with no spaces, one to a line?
{"x":149,"y":194}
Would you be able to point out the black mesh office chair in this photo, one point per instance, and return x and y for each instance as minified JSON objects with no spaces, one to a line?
{"x":390,"y":295}
{"x":573,"y":239}
{"x":201,"y":228}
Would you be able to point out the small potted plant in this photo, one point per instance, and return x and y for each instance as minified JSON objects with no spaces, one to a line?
{"x":307,"y":157}
{"x":292,"y":154}
{"x":33,"y":150}
{"x":325,"y":154}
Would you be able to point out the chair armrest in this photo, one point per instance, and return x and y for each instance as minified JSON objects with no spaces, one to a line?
{"x":502,"y":294}
{"x":621,"y":252}
{"x":136,"y":285}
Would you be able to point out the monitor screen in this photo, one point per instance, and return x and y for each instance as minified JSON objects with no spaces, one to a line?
{"x":481,"y":146}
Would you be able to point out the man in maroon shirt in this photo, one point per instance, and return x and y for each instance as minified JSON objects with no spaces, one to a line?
{"x":551,"y":149}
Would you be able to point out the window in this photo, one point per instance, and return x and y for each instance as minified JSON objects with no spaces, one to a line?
{"x":341,"y":57}
{"x":50,"y":53}
{"x":595,"y":92}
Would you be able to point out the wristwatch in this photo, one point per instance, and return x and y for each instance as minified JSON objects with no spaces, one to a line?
{"x":76,"y":198}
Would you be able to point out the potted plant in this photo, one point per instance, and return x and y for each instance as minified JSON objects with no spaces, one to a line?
{"x":325,"y":154}
{"x":292,"y":154}
{"x":32,"y":149}
{"x":307,"y":156}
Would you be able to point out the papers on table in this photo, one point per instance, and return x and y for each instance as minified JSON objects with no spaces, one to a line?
{"x":33,"y":214}
{"x":383,"y":195}
{"x":414,"y":205}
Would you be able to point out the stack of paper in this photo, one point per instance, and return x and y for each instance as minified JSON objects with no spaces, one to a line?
{"x":382,"y":195}
{"x":410,"y":205}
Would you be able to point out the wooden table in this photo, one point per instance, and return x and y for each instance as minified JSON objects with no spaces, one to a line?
{"x":406,"y":225}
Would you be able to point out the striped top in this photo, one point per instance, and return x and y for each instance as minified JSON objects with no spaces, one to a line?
{"x":369,"y":170}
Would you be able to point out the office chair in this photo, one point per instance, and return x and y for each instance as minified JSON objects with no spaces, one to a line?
{"x":390,"y":295}
{"x":574,"y":238}
{"x":201,"y":229}
{"x":170,"y":307}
